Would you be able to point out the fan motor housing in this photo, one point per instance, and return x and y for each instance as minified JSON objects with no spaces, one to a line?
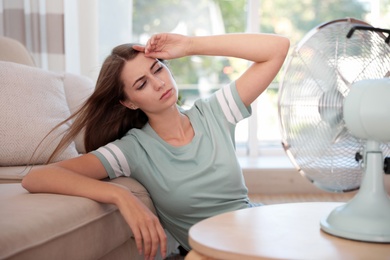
{"x":367,"y":109}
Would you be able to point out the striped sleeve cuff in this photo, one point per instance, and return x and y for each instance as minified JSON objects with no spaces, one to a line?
{"x":232,"y":107}
{"x":114,"y":160}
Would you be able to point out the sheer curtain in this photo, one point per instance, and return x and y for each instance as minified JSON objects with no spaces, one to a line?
{"x":39,"y":25}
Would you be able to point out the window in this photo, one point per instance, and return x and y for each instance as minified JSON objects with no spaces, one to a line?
{"x":135,"y":21}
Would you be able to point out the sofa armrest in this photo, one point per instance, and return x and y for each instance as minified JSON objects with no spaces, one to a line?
{"x":137,"y":189}
{"x":53,"y":226}
{"x":13,"y":174}
{"x":14,"y":51}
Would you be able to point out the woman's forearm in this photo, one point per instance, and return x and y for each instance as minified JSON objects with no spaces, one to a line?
{"x":54,"y":179}
{"x":253,"y":47}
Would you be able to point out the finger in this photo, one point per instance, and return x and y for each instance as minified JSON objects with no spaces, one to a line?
{"x":138,"y":240}
{"x":147,"y":241}
{"x":139,"y":48}
{"x":156,"y":239}
{"x":154,"y":42}
{"x":163,"y":241}
{"x":154,"y":39}
{"x":147,"y":47}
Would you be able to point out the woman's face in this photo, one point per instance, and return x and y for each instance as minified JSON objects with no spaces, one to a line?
{"x":148,"y":85}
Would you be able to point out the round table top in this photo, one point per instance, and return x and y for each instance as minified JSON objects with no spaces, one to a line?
{"x":281,"y":231}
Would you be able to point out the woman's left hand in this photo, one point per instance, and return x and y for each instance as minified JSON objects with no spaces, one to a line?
{"x":166,"y":46}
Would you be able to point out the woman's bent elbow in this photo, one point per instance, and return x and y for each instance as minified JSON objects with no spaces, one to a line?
{"x":30,"y":180}
{"x":285,"y":45}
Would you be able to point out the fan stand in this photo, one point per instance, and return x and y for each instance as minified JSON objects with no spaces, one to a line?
{"x":367,"y":216}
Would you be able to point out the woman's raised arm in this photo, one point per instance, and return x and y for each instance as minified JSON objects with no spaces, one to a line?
{"x":266,"y":51}
{"x":80,"y":177}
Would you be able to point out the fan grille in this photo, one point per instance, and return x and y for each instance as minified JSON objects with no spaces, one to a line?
{"x":318,"y":76}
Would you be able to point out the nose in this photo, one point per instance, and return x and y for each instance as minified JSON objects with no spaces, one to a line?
{"x":158,"y":83}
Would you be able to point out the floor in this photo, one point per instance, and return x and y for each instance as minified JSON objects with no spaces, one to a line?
{"x":294,"y":198}
{"x":290,"y":198}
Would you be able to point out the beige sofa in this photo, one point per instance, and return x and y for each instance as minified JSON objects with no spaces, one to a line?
{"x":49,"y":226}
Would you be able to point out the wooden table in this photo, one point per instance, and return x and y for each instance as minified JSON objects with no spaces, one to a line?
{"x":282,"y":231}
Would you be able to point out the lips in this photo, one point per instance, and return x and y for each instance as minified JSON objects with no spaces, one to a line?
{"x":166,"y":94}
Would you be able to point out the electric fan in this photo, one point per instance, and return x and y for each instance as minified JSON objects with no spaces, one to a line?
{"x":334,"y":112}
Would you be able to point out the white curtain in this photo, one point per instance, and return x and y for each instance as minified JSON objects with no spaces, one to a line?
{"x":39,"y":25}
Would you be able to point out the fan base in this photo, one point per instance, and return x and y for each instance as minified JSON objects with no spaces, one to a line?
{"x":367,"y":216}
{"x":369,"y":223}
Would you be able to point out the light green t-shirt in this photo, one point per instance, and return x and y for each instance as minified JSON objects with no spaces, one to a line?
{"x":192,"y":182}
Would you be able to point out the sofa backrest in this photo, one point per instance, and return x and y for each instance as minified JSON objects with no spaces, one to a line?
{"x":77,"y":90}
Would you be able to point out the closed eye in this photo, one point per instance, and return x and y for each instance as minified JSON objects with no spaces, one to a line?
{"x":142,"y":85}
{"x":158,"y":69}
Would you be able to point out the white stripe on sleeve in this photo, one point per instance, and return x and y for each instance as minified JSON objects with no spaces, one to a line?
{"x":121,"y":158}
{"x":114,"y":163}
{"x":232,"y":103}
{"x":225,"y":107}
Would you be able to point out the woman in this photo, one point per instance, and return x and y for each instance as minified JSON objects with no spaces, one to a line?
{"x":185,"y":159}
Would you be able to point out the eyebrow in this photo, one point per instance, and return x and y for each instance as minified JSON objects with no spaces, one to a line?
{"x":142,"y":77}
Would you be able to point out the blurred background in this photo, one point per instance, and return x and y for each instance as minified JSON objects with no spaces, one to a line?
{"x":86,"y":31}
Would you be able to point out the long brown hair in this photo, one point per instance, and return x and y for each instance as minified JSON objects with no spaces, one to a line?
{"x":102,"y":118}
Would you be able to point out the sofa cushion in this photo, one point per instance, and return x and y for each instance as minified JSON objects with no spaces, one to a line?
{"x":32,"y":102}
{"x":50,"y":226}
